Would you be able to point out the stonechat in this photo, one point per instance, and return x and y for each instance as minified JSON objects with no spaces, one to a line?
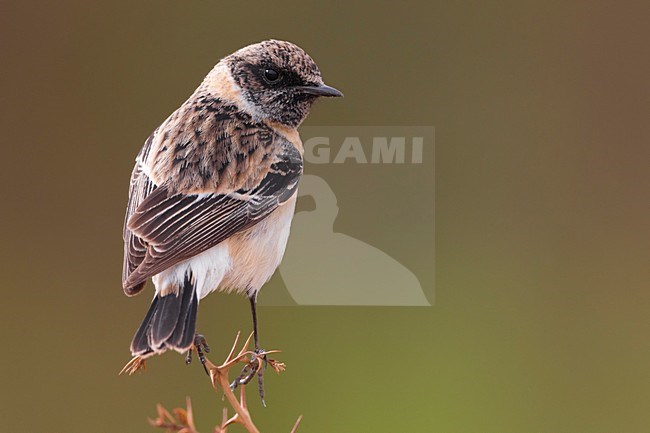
{"x":213,"y":191}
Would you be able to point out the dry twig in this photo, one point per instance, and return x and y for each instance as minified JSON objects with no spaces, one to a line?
{"x":182,"y":420}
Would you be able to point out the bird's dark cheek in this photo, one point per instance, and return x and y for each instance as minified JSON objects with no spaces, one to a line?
{"x":278,"y":100}
{"x":301,"y":98}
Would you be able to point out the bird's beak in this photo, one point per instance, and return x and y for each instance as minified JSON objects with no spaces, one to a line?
{"x":321,"y":90}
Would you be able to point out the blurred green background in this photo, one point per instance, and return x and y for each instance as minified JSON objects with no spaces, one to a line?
{"x":540,"y":322}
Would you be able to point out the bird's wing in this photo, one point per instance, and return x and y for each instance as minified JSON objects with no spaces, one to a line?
{"x":135,"y":248}
{"x":173,"y":226}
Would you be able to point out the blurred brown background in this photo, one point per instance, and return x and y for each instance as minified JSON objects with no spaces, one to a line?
{"x":540,"y":322}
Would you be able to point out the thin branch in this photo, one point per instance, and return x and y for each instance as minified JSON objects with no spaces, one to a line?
{"x":295,"y":426}
{"x":182,"y":420}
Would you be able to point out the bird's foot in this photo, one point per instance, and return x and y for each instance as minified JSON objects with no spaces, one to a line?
{"x":256,"y":365}
{"x":200,"y":345}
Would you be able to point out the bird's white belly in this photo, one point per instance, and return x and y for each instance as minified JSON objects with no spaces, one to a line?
{"x":242,"y":263}
{"x":256,"y":253}
{"x":207,"y":270}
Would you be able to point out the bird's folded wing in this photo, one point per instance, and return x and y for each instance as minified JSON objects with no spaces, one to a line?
{"x":176,"y":227}
{"x":135,"y":248}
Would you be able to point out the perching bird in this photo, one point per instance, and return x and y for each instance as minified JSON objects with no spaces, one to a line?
{"x":213,"y":190}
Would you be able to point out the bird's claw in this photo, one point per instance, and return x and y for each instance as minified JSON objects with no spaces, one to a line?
{"x":249,"y":371}
{"x":200,"y":345}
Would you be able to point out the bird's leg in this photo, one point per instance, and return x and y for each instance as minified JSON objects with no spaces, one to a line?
{"x":200,"y":345}
{"x":249,"y":370}
{"x":260,"y":372}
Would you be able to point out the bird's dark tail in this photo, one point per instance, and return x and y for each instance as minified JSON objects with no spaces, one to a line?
{"x":170,"y":322}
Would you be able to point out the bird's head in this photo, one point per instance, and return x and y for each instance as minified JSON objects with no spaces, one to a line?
{"x":278,"y":80}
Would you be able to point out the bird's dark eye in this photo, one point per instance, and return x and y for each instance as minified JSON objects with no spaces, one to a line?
{"x":271,"y":75}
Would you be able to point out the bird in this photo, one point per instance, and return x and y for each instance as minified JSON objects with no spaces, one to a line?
{"x":213,"y":191}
